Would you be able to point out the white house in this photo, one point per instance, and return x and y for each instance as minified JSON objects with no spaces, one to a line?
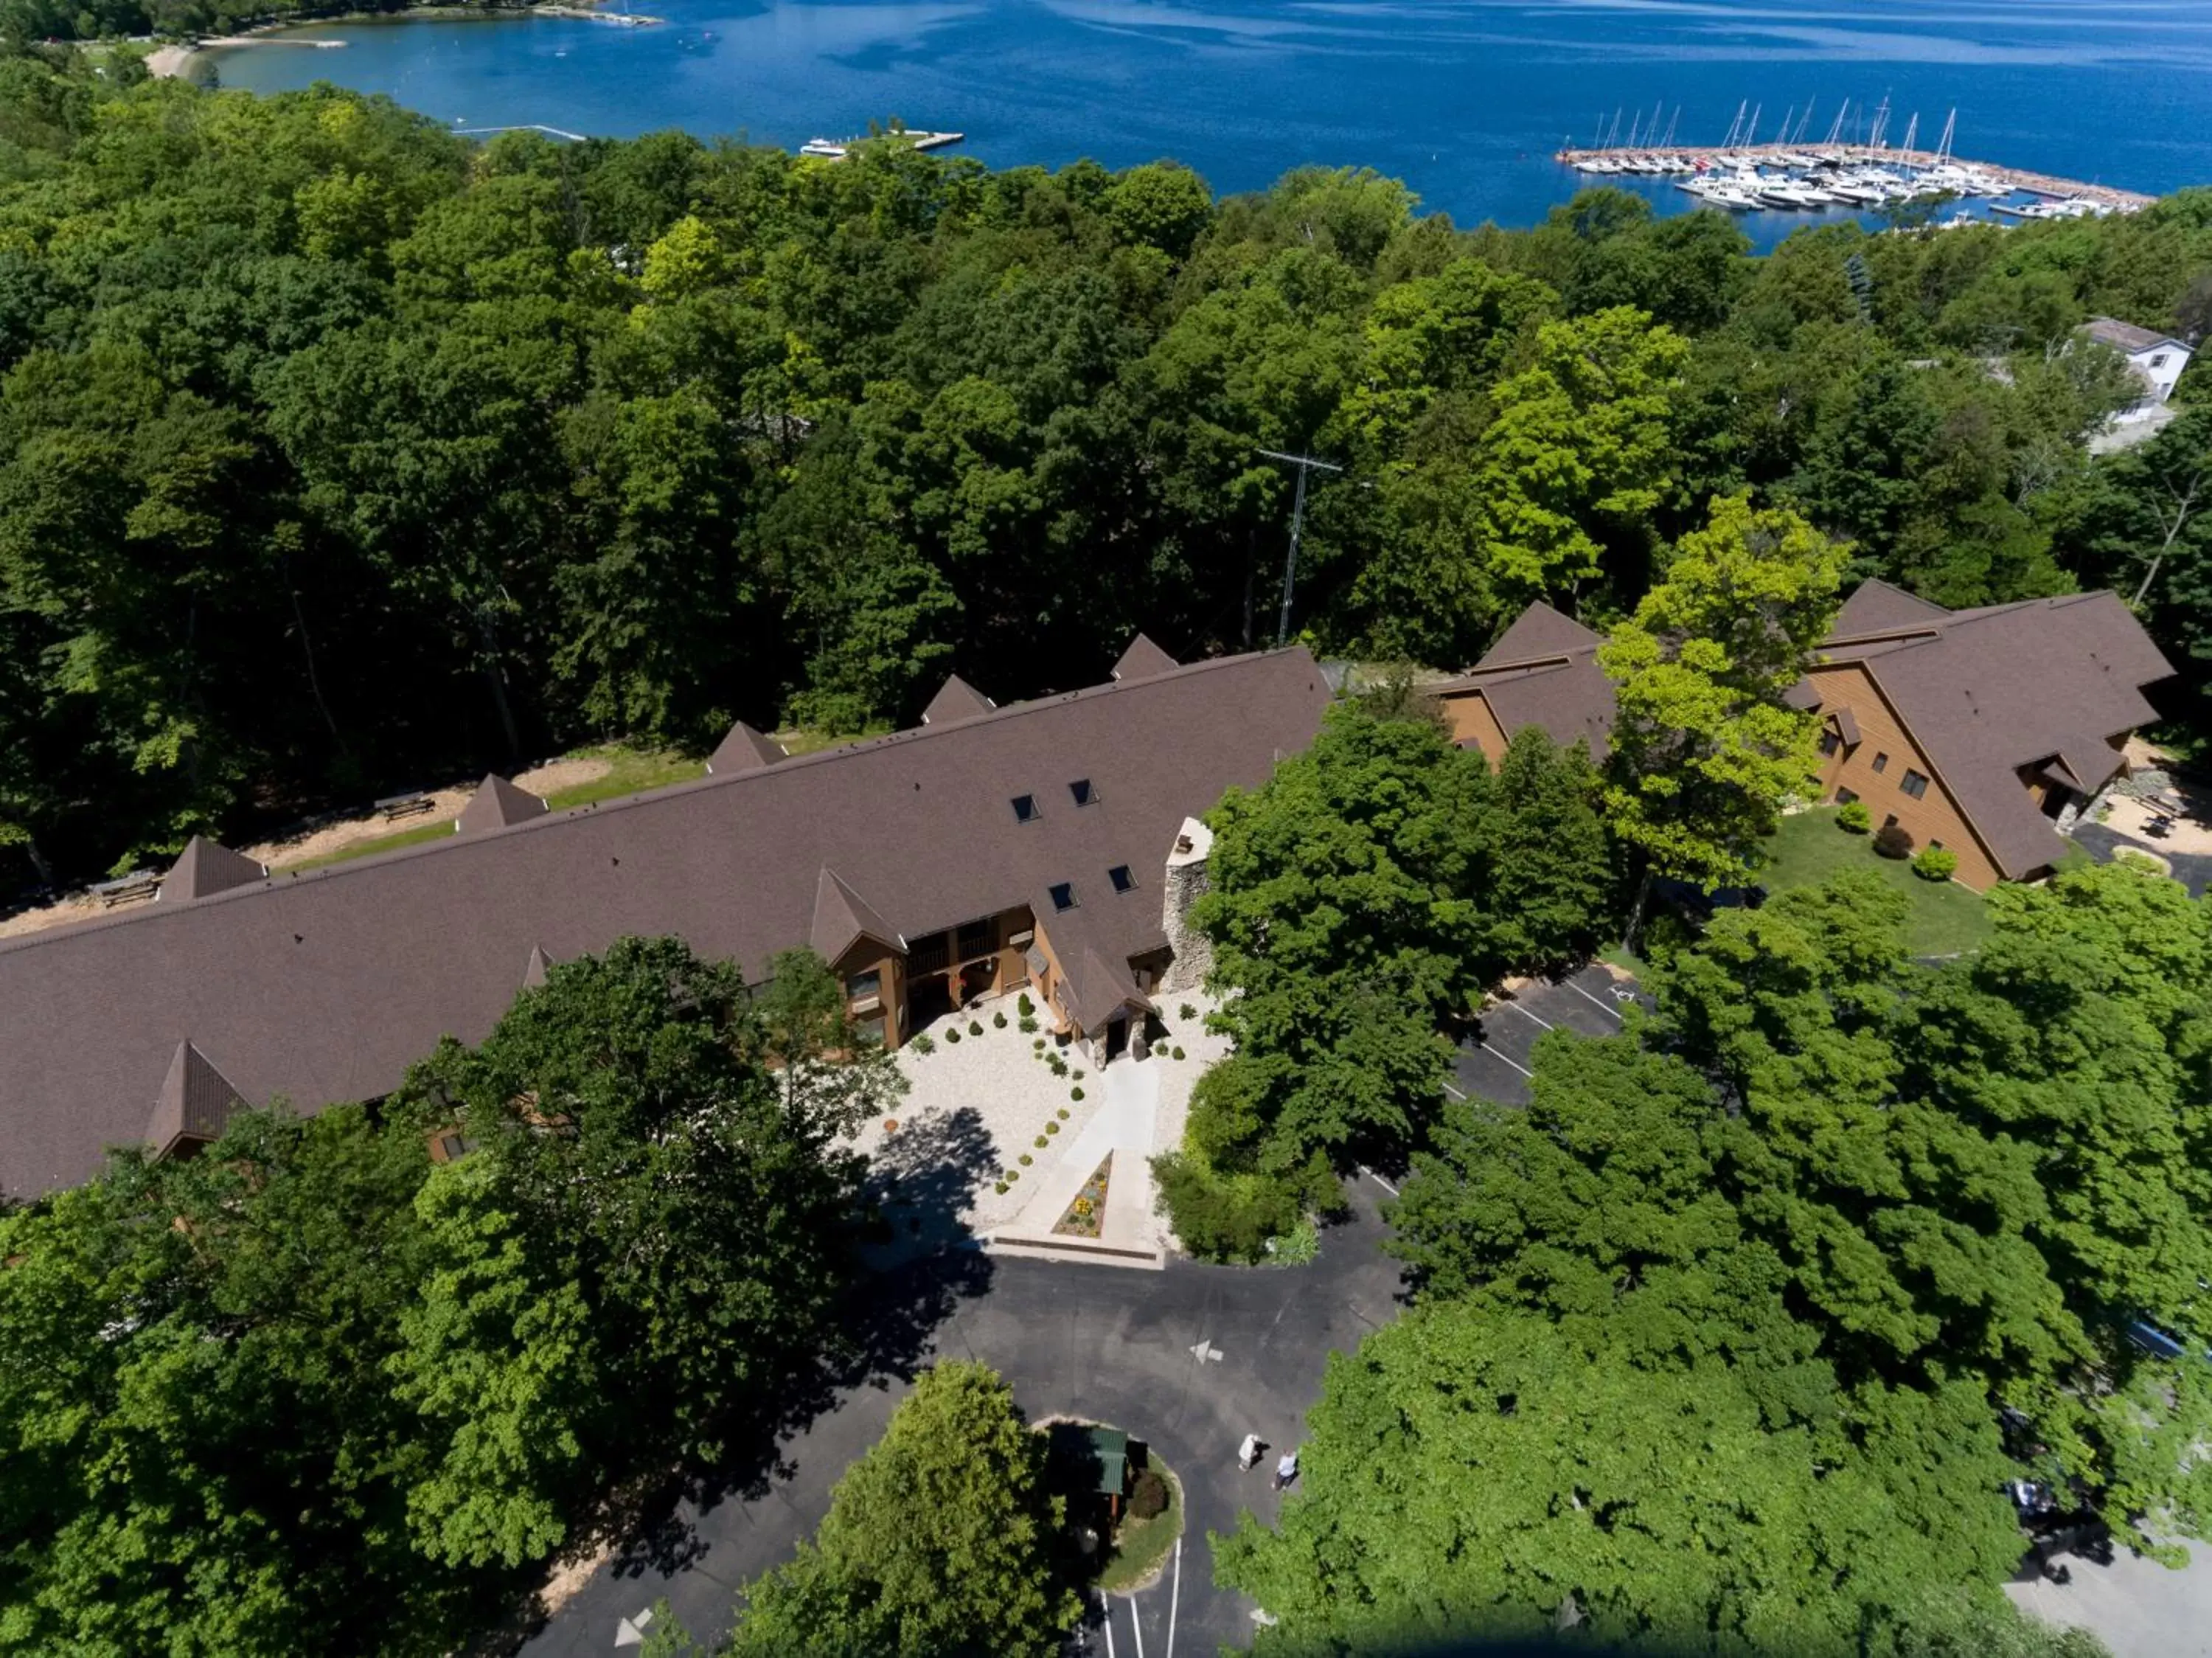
{"x":2158,"y":360}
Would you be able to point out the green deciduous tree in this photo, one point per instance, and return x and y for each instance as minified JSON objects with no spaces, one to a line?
{"x":1706,"y":746}
{"x":942,"y":1538}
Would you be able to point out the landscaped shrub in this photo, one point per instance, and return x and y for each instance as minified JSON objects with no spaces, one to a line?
{"x":999,"y":1186}
{"x":1853,"y":818}
{"x":1054,"y":1128}
{"x":1298,"y":1246}
{"x":1063,"y":1113}
{"x":1059,"y":1066}
{"x":974,"y":1027}
{"x":952,"y":1033}
{"x":1030,"y":1024}
{"x":921,"y":1044}
{"x":1042,"y":1143}
{"x":1936,"y":863}
{"x":1038,"y":1045}
{"x":1224,"y":1217}
{"x":1892,"y":841}
{"x":1148,"y":1497}
{"x":1079,"y":1073}
{"x":1174,"y":1053}
{"x":1025,"y":1160}
{"x":1187,"y":1011}
{"x":998,"y":1021}
{"x":1077,"y":1092}
{"x":1010,"y":1175}
{"x":1024,"y":1004}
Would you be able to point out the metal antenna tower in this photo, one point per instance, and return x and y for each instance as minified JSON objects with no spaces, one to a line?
{"x":1304,"y":463}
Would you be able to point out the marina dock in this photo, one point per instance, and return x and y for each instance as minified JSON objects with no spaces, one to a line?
{"x":833,"y":149}
{"x":1712,"y":158}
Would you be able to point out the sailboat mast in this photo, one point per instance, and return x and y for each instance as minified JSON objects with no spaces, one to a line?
{"x":1669,"y":144}
{"x":1735,"y":126}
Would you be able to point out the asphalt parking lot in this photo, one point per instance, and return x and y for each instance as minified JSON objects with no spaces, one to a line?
{"x":1188,"y":1360}
{"x":1495,"y":1059}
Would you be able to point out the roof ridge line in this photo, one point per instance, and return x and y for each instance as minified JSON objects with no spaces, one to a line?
{"x":452,"y":845}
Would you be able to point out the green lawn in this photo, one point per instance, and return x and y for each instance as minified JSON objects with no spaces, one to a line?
{"x":1141,"y":1546}
{"x":809,"y":739}
{"x":630,"y":771}
{"x":1946,"y":918}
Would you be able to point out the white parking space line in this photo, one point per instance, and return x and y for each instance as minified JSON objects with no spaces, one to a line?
{"x":1174,"y":1597}
{"x":1517,"y":1007}
{"x":1614,"y":1013}
{"x":1106,"y":1606}
{"x":1386,"y":1186}
{"x":1486,"y":1048}
{"x":1453,"y":1092}
{"x":1137,"y":1624}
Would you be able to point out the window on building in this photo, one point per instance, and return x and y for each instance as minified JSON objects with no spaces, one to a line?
{"x":863,"y":987}
{"x":1830,"y":743}
{"x":2159,"y":362}
{"x":1081,"y":790}
{"x":1025,"y":808}
{"x":1120,"y":875}
{"x":1846,"y":796}
{"x":453,"y":1145}
{"x":1063,"y":895}
{"x":1890,"y":822}
{"x":871,"y":1031}
{"x":1936,"y":845}
{"x":977,"y":938}
{"x":1881,"y":763}
{"x":1912,"y":784}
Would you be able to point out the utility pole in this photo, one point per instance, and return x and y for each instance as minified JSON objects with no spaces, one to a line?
{"x":1304,"y":463}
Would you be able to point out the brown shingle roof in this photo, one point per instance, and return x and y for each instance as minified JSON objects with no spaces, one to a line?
{"x":1874,"y":606}
{"x":959,"y":700}
{"x":743,"y":750}
{"x":206,"y":868}
{"x":194,"y":1104}
{"x":1986,"y":692}
{"x":324,"y":986}
{"x":842,"y":917}
{"x":1143,"y":660}
{"x":498,"y":804}
{"x":1543,"y":672}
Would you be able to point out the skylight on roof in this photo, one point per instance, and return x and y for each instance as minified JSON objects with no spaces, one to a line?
{"x":1122,"y":880}
{"x":1025,"y":808}
{"x":1081,"y":790}
{"x":1063,"y":895}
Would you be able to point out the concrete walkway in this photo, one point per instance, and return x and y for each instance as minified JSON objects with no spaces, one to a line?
{"x":1123,"y":1127}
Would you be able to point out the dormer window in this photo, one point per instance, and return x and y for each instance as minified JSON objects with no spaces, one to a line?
{"x":1025,"y":808}
{"x":1063,"y":895}
{"x":1081,"y":790}
{"x":1122,"y":880}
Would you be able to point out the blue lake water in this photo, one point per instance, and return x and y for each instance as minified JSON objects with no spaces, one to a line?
{"x":1466,"y":99}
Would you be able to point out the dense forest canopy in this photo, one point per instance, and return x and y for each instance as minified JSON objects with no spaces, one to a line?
{"x":337,"y":452}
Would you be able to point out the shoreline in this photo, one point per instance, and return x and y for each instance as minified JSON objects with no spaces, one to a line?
{"x":173,"y":61}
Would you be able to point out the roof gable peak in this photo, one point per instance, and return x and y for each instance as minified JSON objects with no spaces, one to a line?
{"x":957,"y":700}
{"x":1143,"y":660}
{"x":744,"y":750}
{"x":195,"y":1105}
{"x":206,"y":868}
{"x":498,"y":804}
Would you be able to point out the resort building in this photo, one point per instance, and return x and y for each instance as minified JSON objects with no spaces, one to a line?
{"x":1052,"y":845}
{"x":1985,"y":731}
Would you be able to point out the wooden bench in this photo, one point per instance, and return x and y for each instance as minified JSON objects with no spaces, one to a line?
{"x":414,"y":804}
{"x":127,"y":889}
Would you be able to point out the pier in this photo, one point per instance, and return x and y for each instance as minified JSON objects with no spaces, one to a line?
{"x":1684,"y":158}
{"x":833,"y":150}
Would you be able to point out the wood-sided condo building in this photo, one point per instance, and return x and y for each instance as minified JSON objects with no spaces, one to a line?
{"x":1051,"y":844}
{"x":1988,"y":732}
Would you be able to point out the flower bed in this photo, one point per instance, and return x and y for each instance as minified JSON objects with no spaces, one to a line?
{"x":1088,"y":1211}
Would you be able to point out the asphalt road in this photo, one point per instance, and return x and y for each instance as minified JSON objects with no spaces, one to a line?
{"x":1110,"y":1344}
{"x":1494,"y":1060}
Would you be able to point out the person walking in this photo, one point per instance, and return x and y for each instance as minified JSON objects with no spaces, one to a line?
{"x":1248,"y":1453}
{"x":1286,"y":1470}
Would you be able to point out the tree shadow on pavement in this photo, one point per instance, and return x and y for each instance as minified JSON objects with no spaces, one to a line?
{"x":910,"y":1282}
